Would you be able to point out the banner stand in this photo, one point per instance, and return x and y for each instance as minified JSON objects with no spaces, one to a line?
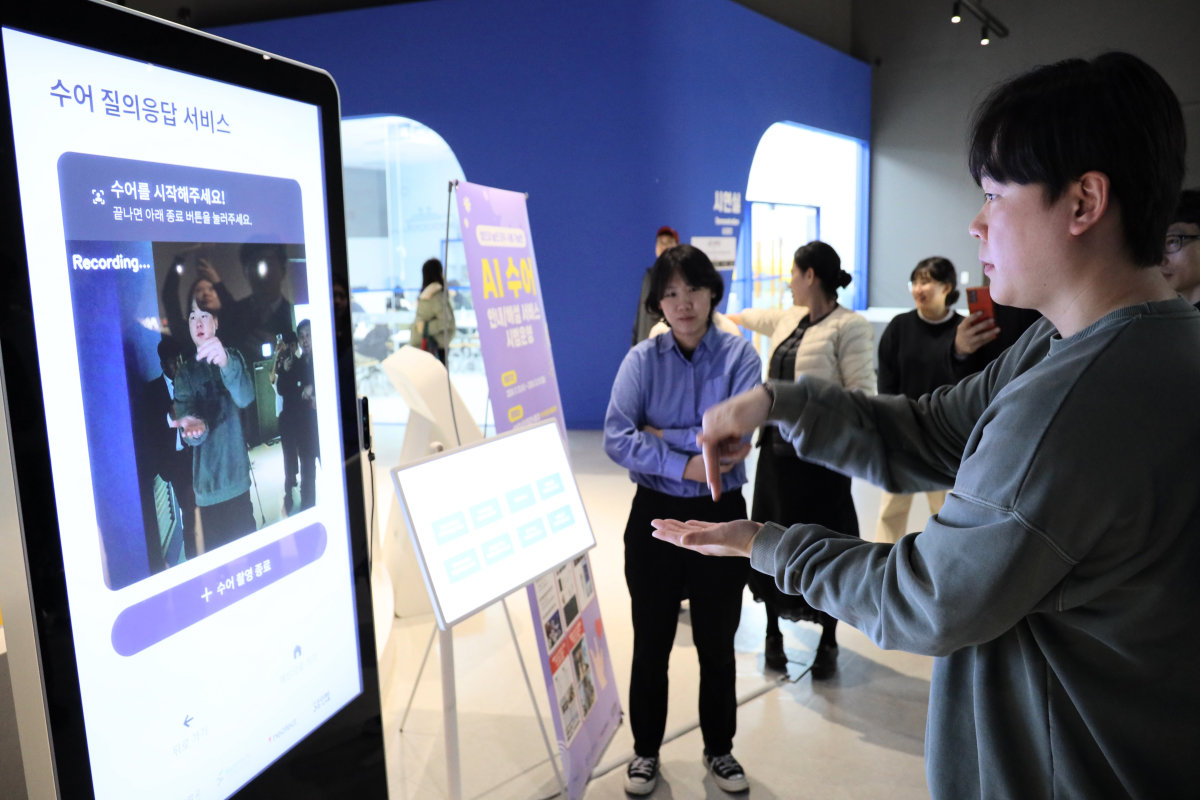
{"x":514,"y":340}
{"x":450,"y":704}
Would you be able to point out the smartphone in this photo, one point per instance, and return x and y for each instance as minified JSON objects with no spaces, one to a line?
{"x":979,"y":298}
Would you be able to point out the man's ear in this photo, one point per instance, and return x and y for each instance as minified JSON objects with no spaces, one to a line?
{"x":1089,"y":201}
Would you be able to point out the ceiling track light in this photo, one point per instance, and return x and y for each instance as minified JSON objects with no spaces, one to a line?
{"x":991,"y":25}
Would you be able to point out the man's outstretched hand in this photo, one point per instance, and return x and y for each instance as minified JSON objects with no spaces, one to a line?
{"x":709,"y":538}
{"x":724,"y":427}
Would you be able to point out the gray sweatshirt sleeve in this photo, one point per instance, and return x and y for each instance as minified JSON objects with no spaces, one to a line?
{"x":237,"y":378}
{"x":898,"y":444}
{"x":967,"y":578}
{"x":977,"y":567}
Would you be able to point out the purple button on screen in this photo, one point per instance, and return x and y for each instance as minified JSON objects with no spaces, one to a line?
{"x":179,"y":607}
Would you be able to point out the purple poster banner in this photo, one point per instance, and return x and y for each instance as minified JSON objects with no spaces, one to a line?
{"x":584,"y":700}
{"x":513,"y":336}
{"x":515,"y":343}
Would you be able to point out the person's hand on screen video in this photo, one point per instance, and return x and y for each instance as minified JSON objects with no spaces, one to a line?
{"x":724,"y":426}
{"x":709,"y":538}
{"x":190,"y":427}
{"x":212,"y":351}
{"x":207,"y":271}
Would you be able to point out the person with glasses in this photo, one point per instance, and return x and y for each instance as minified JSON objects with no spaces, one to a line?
{"x":662,"y":389}
{"x":1181,"y":264}
{"x":912,"y":362}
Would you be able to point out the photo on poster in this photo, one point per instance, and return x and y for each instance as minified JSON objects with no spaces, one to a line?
{"x":549,"y":610}
{"x":568,"y":699}
{"x":553,"y":628}
{"x":583,"y":579}
{"x":193,"y":365}
{"x":566,"y":592}
{"x":583,"y":673}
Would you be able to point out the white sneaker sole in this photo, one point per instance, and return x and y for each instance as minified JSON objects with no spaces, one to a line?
{"x":727,"y":784}
{"x":639,"y":789}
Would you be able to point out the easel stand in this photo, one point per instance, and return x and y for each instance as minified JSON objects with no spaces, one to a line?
{"x":450,"y":705}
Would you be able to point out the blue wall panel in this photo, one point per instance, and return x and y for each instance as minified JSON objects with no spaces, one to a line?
{"x":616,"y":117}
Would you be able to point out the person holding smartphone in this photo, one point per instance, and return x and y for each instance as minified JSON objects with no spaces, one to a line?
{"x":987,"y":331}
{"x":912,"y":362}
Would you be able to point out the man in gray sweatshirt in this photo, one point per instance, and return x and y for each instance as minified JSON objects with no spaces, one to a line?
{"x":1059,"y":586}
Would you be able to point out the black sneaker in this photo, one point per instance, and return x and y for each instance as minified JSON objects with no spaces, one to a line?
{"x":727,"y":772}
{"x":773,"y":655}
{"x":641,"y":776}
{"x":825,"y":664}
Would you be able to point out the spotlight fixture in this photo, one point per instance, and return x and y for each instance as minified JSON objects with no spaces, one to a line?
{"x":991,"y":25}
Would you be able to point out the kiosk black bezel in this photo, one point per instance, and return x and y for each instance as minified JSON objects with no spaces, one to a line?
{"x":354,"y":735}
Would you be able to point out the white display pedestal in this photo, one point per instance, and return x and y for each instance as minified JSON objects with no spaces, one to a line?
{"x":425,"y":386}
{"x":438,"y":420}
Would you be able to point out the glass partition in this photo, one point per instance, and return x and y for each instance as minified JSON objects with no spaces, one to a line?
{"x":397,"y":174}
{"x":804,"y":184}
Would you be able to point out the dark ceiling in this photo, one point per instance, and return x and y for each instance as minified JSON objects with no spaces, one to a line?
{"x":212,"y":13}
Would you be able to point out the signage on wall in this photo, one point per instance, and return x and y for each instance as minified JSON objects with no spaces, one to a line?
{"x":727,"y":210}
{"x":721,"y":250}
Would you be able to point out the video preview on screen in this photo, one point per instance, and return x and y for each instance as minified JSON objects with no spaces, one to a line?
{"x":193,"y":362}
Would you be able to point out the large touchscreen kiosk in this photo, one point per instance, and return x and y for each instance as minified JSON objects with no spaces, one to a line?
{"x":180,"y":287}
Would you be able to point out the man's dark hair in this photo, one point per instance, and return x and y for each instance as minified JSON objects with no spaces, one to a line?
{"x":939,"y":269}
{"x":1113,"y":114}
{"x":251,"y":253}
{"x":215,"y":311}
{"x":695,"y":267}
{"x":824,"y":261}
{"x":168,"y":348}
{"x":1188,"y":209}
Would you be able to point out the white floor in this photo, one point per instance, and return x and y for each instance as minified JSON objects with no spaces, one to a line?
{"x":858,"y":735}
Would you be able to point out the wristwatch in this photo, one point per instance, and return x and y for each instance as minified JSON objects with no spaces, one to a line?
{"x":770,"y":390}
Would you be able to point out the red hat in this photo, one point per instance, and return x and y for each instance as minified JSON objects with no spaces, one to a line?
{"x":667,"y":230}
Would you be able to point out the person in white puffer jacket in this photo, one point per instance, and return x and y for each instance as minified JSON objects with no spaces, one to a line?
{"x":815,"y":336}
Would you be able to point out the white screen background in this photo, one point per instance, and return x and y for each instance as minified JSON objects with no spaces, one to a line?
{"x":233,"y":673}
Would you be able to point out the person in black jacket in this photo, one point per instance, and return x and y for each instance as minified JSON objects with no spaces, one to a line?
{"x":912,"y":362}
